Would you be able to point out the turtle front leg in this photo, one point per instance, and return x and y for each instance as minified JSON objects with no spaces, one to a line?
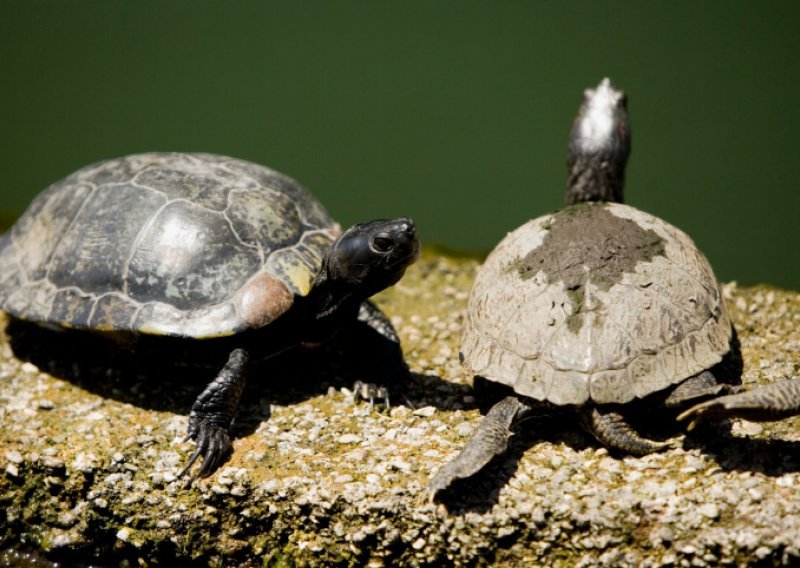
{"x":764,"y":404}
{"x":369,"y":314}
{"x":213,"y":412}
{"x":613,"y":431}
{"x":370,"y":392}
{"x":379,"y":354}
{"x":489,"y":440}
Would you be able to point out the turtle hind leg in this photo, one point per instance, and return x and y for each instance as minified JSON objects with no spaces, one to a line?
{"x":764,"y":404}
{"x":613,"y":431}
{"x":489,"y":440}
{"x":722,"y":379}
{"x":698,"y":388}
{"x":212,"y":415}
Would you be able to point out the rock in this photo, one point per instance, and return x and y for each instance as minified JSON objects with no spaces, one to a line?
{"x":14,"y":456}
{"x":709,"y":510}
{"x":349,"y":439}
{"x":88,"y":466}
{"x":425,"y":411}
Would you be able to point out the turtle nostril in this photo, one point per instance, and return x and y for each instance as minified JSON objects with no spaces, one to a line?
{"x":405,"y":234}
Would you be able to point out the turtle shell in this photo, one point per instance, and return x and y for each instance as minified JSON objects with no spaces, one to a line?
{"x":597,"y":302}
{"x":190,"y":245}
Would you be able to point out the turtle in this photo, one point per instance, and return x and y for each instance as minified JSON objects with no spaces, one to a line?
{"x":598,"y":309}
{"x":226,"y":256}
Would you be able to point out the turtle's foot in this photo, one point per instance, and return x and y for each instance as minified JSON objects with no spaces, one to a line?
{"x":213,"y":412}
{"x":379,"y":356}
{"x":370,"y":392}
{"x":489,"y":440}
{"x":613,"y":431}
{"x":772,"y":402}
{"x":213,"y":444}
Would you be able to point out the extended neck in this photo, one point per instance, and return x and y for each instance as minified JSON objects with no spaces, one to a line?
{"x":595,"y":177}
{"x":329,"y":298}
{"x":599,"y":146}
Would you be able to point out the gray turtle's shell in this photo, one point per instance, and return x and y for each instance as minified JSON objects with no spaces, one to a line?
{"x":597,"y":302}
{"x":193,"y":245}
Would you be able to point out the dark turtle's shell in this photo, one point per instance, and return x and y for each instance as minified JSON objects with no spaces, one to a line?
{"x":193,"y":245}
{"x":597,"y":302}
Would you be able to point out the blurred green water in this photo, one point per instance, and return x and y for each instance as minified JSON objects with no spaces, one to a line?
{"x":455,"y":113}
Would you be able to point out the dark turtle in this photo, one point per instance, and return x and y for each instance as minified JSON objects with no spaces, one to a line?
{"x":599,"y":305}
{"x":204,"y":248}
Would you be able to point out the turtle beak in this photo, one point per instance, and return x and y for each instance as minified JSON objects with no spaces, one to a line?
{"x":405,"y":237}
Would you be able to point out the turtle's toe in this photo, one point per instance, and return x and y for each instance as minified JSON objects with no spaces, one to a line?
{"x":711,"y":409}
{"x":370,"y":392}
{"x":213,"y":444}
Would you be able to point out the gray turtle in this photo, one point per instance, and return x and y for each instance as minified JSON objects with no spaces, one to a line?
{"x":202,"y":250}
{"x":598,"y":305}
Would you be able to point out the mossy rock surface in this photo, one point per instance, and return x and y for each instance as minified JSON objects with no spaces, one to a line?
{"x":89,"y":453}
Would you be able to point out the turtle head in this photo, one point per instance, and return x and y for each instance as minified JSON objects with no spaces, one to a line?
{"x":369,"y":257}
{"x":599,"y":146}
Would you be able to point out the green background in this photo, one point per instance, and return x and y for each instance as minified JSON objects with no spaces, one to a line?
{"x":455,"y":113}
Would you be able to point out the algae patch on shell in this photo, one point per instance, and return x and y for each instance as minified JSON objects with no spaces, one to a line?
{"x":588,"y":243}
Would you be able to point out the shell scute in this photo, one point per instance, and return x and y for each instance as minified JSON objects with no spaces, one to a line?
{"x":269,"y":221}
{"x":70,"y":305}
{"x":188,"y":257}
{"x":113,"y":312}
{"x":92,"y":252}
{"x":39,"y":232}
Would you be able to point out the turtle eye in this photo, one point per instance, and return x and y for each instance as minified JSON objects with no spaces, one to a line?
{"x":382,"y":244}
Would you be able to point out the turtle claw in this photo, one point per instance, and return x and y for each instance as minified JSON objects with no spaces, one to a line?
{"x":370,"y":392}
{"x":189,"y":464}
{"x":213,"y":444}
{"x":696,"y":414}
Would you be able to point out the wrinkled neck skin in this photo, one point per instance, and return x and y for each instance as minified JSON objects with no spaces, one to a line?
{"x":312,"y":320}
{"x":599,"y":146}
{"x":598,"y":176}
{"x":334,"y":299}
{"x":331,"y":299}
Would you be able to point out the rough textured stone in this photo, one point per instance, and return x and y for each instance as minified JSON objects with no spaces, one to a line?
{"x":316,"y":480}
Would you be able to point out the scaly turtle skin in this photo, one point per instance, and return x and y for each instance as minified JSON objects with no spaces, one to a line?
{"x":598,"y":305}
{"x":198,"y":247}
